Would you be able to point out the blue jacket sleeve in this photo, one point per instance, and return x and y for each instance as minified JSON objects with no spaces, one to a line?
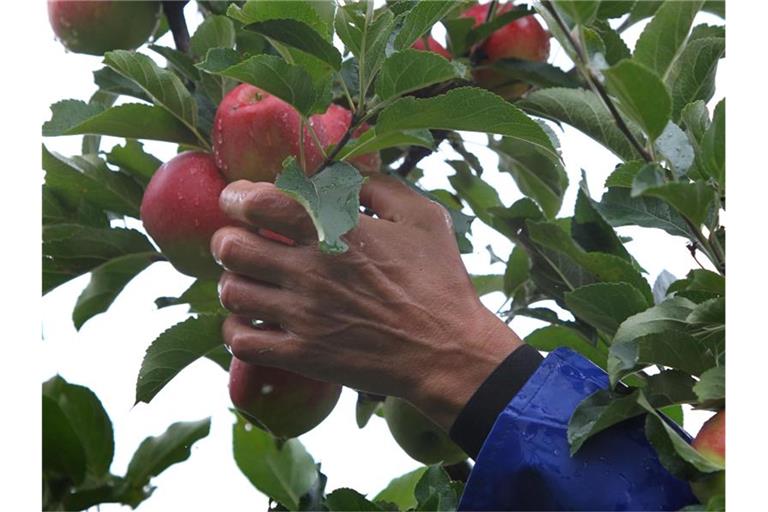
{"x":525,"y":462}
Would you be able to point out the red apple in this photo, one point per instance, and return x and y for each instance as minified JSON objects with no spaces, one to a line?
{"x":180,"y":210}
{"x":432,"y":46}
{"x":710,"y":442}
{"x":254,"y":132}
{"x":524,"y":38}
{"x":283,"y":403}
{"x":98,"y":27}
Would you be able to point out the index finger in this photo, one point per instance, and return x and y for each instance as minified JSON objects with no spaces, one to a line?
{"x":263,"y":205}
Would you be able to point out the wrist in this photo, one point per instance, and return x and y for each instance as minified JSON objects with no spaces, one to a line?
{"x":464,"y":362}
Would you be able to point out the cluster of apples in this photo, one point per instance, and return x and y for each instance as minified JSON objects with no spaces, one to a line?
{"x":253,"y":133}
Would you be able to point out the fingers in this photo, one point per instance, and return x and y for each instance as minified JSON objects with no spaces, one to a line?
{"x":263,"y":205}
{"x":241,"y":251}
{"x":254,"y":300}
{"x":258,"y":345}
{"x":392,"y":200}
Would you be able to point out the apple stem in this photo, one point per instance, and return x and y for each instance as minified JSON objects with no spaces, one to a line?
{"x":174,"y":12}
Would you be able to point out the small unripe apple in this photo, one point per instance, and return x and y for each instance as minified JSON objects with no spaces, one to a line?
{"x":180,"y":211}
{"x":432,"y":46}
{"x":254,"y":132}
{"x":283,"y":403}
{"x":418,"y":436}
{"x":523,"y":38}
{"x":710,"y":442}
{"x":97,"y":27}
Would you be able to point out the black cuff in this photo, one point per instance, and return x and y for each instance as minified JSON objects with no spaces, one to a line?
{"x":475,"y":421}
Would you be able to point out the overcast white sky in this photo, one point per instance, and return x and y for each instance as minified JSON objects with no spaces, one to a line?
{"x":106,"y":354}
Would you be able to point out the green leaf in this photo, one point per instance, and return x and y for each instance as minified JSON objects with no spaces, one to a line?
{"x":540,"y":74}
{"x":700,"y":280}
{"x":649,"y":176}
{"x":132,"y":159}
{"x":620,"y":209}
{"x":692,"y":76}
{"x":283,"y":472}
{"x":674,"y":349}
{"x":175,"y":349}
{"x":488,"y":283}
{"x":605,"y":305}
{"x":87,"y":177}
{"x":401,"y":490}
{"x":58,"y":211}
{"x":299,"y":35}
{"x":366,"y":38}
{"x":179,"y":61}
{"x":713,"y":147}
{"x":331,"y":197}
{"x":692,"y":200}
{"x":131,"y":120}
{"x":157,"y":453}
{"x":584,"y":111}
{"x":641,"y":10}
{"x":711,"y":385}
{"x":419,"y":20}
{"x":467,"y":109}
{"x":591,"y":230}
{"x":536,"y":174}
{"x":111,"y":82}
{"x":349,"y":500}
{"x":606,"y":408}
{"x":162,"y":86}
{"x":670,"y":315}
{"x":366,"y":406}
{"x":369,"y":142}
{"x":91,"y":143}
{"x":670,"y":445}
{"x":289,"y":82}
{"x":666,"y":33}
{"x":63,"y":453}
{"x":661,"y":286}
{"x":90,"y":422}
{"x":615,"y":47}
{"x":580,"y":12}
{"x":107,"y":281}
{"x":70,"y":250}
{"x":704,"y":30}
{"x":480,"y":196}
{"x":410,"y":70}
{"x":674,"y":146}
{"x":642,"y":94}
{"x":624,"y":174}
{"x":202,"y":297}
{"x":435,"y":492}
{"x":213,"y":32}
{"x":518,"y":271}
{"x":307,"y":12}
{"x":695,"y":118}
{"x":555,"y":336}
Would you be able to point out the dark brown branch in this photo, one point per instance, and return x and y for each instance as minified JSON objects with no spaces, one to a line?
{"x":174,"y":12}
{"x":416,"y":154}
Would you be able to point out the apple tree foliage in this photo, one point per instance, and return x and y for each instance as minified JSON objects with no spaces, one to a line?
{"x":647,"y":105}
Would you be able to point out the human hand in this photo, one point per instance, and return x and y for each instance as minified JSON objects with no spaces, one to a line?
{"x":394,"y":315}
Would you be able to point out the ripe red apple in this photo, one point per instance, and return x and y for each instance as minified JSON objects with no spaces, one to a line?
{"x":418,"y":436}
{"x":180,"y":210}
{"x":524,"y":38}
{"x":254,"y":132}
{"x":710,"y":442}
{"x":283,"y":403}
{"x":98,"y":27}
{"x":432,"y":46}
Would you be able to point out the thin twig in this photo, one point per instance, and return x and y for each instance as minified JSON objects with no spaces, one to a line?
{"x":416,"y":154}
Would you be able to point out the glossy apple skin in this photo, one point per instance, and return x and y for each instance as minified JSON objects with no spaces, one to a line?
{"x":283,"y":403}
{"x":710,"y":442}
{"x":180,"y":211}
{"x":418,"y":436}
{"x":97,"y":27}
{"x":254,"y":132}
{"x":432,"y":46}
{"x":523,"y":38}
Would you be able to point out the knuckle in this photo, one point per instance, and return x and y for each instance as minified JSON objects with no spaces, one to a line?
{"x":227,"y":293}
